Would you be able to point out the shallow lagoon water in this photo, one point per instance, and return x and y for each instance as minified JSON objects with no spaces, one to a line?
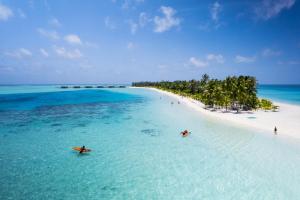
{"x":137,"y":152}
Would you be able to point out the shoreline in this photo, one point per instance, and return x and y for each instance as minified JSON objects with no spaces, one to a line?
{"x":287,"y":119}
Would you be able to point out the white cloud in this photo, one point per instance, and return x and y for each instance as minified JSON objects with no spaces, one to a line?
{"x":70,"y":54}
{"x":131,"y":3}
{"x":162,"y":66}
{"x":214,"y":23}
{"x":21,"y":13}
{"x":293,"y":62}
{"x":5,"y":12}
{"x":6,"y":69}
{"x":197,"y":62}
{"x":25,"y":52}
{"x":59,"y":72}
{"x":44,"y":52}
{"x":53,"y":35}
{"x":290,"y":62}
{"x":109,"y":23}
{"x":243,"y":59}
{"x":125,"y":4}
{"x":216,"y":58}
{"x":166,"y":22}
{"x":19,"y":53}
{"x":130,"y":45}
{"x":269,"y":52}
{"x":90,"y":44}
{"x":72,"y":39}
{"x":268,"y":9}
{"x":46,"y":4}
{"x":54,"y":22}
{"x":133,"y":27}
{"x":204,"y":26}
{"x":31,"y":4}
{"x":143,"y":19}
{"x":85,"y":65}
{"x":210,"y":58}
{"x":215,"y":11}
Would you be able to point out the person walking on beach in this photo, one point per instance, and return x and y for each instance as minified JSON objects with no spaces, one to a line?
{"x":275,"y":130}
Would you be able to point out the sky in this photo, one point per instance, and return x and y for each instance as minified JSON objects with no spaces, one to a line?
{"x":121,"y":41}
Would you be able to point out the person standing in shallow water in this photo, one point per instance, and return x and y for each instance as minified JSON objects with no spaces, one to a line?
{"x":275,"y":130}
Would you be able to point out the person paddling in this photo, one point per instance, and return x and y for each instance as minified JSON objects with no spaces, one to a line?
{"x":82,"y":149}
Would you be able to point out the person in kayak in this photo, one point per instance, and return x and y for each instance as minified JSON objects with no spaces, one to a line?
{"x":82,"y":149}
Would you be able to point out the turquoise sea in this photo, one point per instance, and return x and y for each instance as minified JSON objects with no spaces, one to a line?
{"x":137,"y":152}
{"x":282,"y":93}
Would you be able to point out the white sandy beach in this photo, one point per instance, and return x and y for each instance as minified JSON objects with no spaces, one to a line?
{"x":287,"y":119}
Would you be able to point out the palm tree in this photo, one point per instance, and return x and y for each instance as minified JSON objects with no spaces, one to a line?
{"x":233,"y":92}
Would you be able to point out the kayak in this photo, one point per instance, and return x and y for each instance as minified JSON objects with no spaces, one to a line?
{"x":79,"y":149}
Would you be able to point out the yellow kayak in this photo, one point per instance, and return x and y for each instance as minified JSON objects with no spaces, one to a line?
{"x":79,"y":149}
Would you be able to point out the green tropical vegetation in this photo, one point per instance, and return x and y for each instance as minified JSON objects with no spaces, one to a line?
{"x":266,"y":105}
{"x":232,"y":93}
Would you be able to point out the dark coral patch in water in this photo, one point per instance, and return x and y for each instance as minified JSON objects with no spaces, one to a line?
{"x":150,"y":132}
{"x":127,"y":118}
{"x":56,"y":124}
{"x":108,"y":188}
{"x":81,"y":125}
{"x":146,"y":121}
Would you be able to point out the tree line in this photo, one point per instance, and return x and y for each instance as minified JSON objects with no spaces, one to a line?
{"x":232,"y":93}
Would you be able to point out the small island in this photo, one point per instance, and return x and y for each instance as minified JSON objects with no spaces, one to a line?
{"x":232,"y":94}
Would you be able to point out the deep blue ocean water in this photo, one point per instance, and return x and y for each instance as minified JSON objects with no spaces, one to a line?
{"x":137,"y":152}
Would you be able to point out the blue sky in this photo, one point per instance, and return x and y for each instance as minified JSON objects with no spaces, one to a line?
{"x":120,"y":41}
